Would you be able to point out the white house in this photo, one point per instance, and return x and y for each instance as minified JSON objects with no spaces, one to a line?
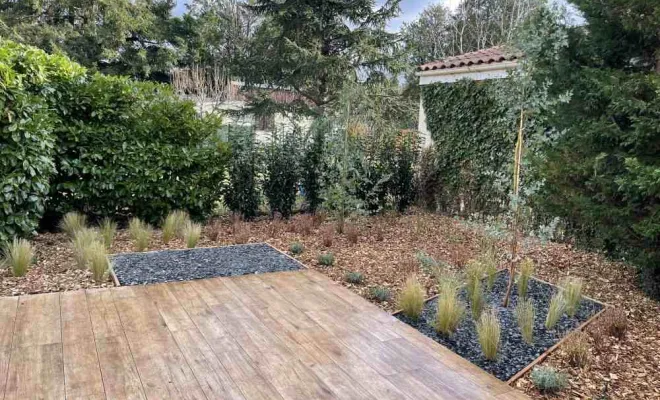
{"x":492,"y":63}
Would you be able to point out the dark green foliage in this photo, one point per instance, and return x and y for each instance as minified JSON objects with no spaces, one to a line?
{"x":313,"y":166}
{"x":29,"y":80}
{"x":241,"y":195}
{"x":474,"y":144}
{"x":281,"y":173}
{"x":427,"y":180}
{"x":405,"y":156}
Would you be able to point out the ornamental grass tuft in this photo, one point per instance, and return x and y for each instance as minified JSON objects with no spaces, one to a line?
{"x":174,"y":225}
{"x":411,"y":299}
{"x":555,"y":310}
{"x":576,"y":348}
{"x":525,"y":313}
{"x":108,"y":229}
{"x":72,"y":222}
{"x":526,"y":271}
{"x":96,"y":257}
{"x":572,"y":292}
{"x":82,"y":239}
{"x":488,"y":330}
{"x":450,"y":309}
{"x":140,"y":233}
{"x":192,"y":231}
{"x":17,"y":256}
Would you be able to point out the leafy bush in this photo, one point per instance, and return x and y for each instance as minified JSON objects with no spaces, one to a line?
{"x":555,"y":310}
{"x":380,"y":293}
{"x":547,"y":379}
{"x":525,"y":314}
{"x":72,"y":222}
{"x":108,"y":229}
{"x":427,"y":180}
{"x":242,"y":195}
{"x":411,"y":299}
{"x":17,"y":256}
{"x":356,"y":278}
{"x":296,"y":248}
{"x":192,"y":231}
{"x":326,"y":259}
{"x":488,"y":331}
{"x":281,"y":173}
{"x":313,"y":166}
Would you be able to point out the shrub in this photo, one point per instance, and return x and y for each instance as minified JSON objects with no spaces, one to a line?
{"x":327,"y":235}
{"x":17,"y":256}
{"x":213,"y":229}
{"x":525,"y":313}
{"x":326,"y":259}
{"x":192,"y":231}
{"x":380,"y":293}
{"x":356,"y":278}
{"x":428,"y":180}
{"x":572,"y":293}
{"x":411,"y":299}
{"x":108,"y":229}
{"x":313,"y":167}
{"x":174,"y":224}
{"x":352,"y":234}
{"x":82,"y":239}
{"x":304,"y":224}
{"x":576,"y":348}
{"x":406,"y":151}
{"x":241,"y":232}
{"x":555,"y":310}
{"x":281,"y":173}
{"x":97,"y":260}
{"x":547,"y":379}
{"x":242,"y":195}
{"x":526,"y":271}
{"x":615,"y":322}
{"x":72,"y":222}
{"x":140,"y":233}
{"x":296,"y":248}
{"x":488,"y":330}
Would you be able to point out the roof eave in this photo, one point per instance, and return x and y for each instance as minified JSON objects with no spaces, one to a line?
{"x":502,"y":65}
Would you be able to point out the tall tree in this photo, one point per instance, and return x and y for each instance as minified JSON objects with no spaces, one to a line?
{"x":314,"y":47}
{"x":119,"y":36}
{"x":428,"y":37}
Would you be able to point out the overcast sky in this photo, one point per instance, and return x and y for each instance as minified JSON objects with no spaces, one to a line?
{"x":410,"y":9}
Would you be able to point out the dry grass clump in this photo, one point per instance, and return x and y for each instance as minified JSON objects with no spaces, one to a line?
{"x":82,"y":239}
{"x":241,"y":232}
{"x":411,"y":299}
{"x":17,"y":256}
{"x":352,"y":233}
{"x":488,"y":330}
{"x":450,"y":309}
{"x":615,"y":322}
{"x":576,"y":348}
{"x":572,"y":292}
{"x":525,"y":312}
{"x":327,"y":235}
{"x":304,"y":224}
{"x":275,"y":227}
{"x":108,"y":229}
{"x":555,"y":310}
{"x":192,"y":231}
{"x":72,"y":222}
{"x":526,"y":271}
{"x":174,"y":224}
{"x":213,"y":229}
{"x":140,"y":232}
{"x":96,"y":258}
{"x":319,"y":218}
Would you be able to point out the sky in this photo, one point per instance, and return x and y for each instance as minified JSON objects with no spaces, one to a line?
{"x":410,"y":9}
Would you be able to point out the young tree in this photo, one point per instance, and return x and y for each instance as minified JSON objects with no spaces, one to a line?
{"x":314,"y":47}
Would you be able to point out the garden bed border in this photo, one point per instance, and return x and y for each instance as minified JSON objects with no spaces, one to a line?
{"x":554,"y":347}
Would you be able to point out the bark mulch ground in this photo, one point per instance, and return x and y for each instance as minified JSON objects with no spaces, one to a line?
{"x":384,"y":254}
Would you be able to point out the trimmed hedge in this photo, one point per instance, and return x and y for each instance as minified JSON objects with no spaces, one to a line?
{"x":106,"y":146}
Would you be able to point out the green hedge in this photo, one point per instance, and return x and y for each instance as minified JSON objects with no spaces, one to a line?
{"x":107,"y":146}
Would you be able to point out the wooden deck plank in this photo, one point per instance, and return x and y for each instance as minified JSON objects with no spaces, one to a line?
{"x":8,"y":309}
{"x":38,"y":320}
{"x":36,"y":372}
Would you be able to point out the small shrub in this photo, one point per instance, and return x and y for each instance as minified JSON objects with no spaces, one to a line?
{"x":108,"y":229}
{"x":213,"y":229}
{"x":191,"y":233}
{"x":174,"y":225}
{"x":615,"y":322}
{"x":241,"y":232}
{"x":296,"y":248}
{"x":327,"y":235}
{"x":525,"y":313}
{"x":326,"y":259}
{"x":96,"y":258}
{"x":17,"y":256}
{"x":82,"y":239}
{"x":140,"y":233}
{"x":411,"y":299}
{"x":526,"y":271}
{"x":488,"y":330}
{"x":72,"y":222}
{"x":355,"y":278}
{"x":555,"y":310}
{"x":304,"y":224}
{"x":380,"y":293}
{"x":572,"y":292}
{"x":547,"y":379}
{"x":576,"y":348}
{"x":352,"y":234}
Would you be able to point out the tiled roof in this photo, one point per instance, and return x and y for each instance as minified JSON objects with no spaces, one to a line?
{"x":485,"y":56}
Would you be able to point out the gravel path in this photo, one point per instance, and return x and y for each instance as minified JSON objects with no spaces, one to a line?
{"x":514,"y":353}
{"x":183,"y":265}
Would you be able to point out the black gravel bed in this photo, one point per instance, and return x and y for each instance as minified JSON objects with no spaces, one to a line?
{"x":184,"y":265}
{"x":514,"y":353}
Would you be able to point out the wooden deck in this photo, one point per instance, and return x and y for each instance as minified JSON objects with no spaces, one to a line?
{"x":288,"y":335}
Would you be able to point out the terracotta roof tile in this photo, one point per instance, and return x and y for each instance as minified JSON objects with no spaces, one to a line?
{"x":485,"y":56}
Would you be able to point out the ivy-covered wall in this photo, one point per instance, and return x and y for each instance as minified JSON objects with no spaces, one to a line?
{"x":474,"y":144}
